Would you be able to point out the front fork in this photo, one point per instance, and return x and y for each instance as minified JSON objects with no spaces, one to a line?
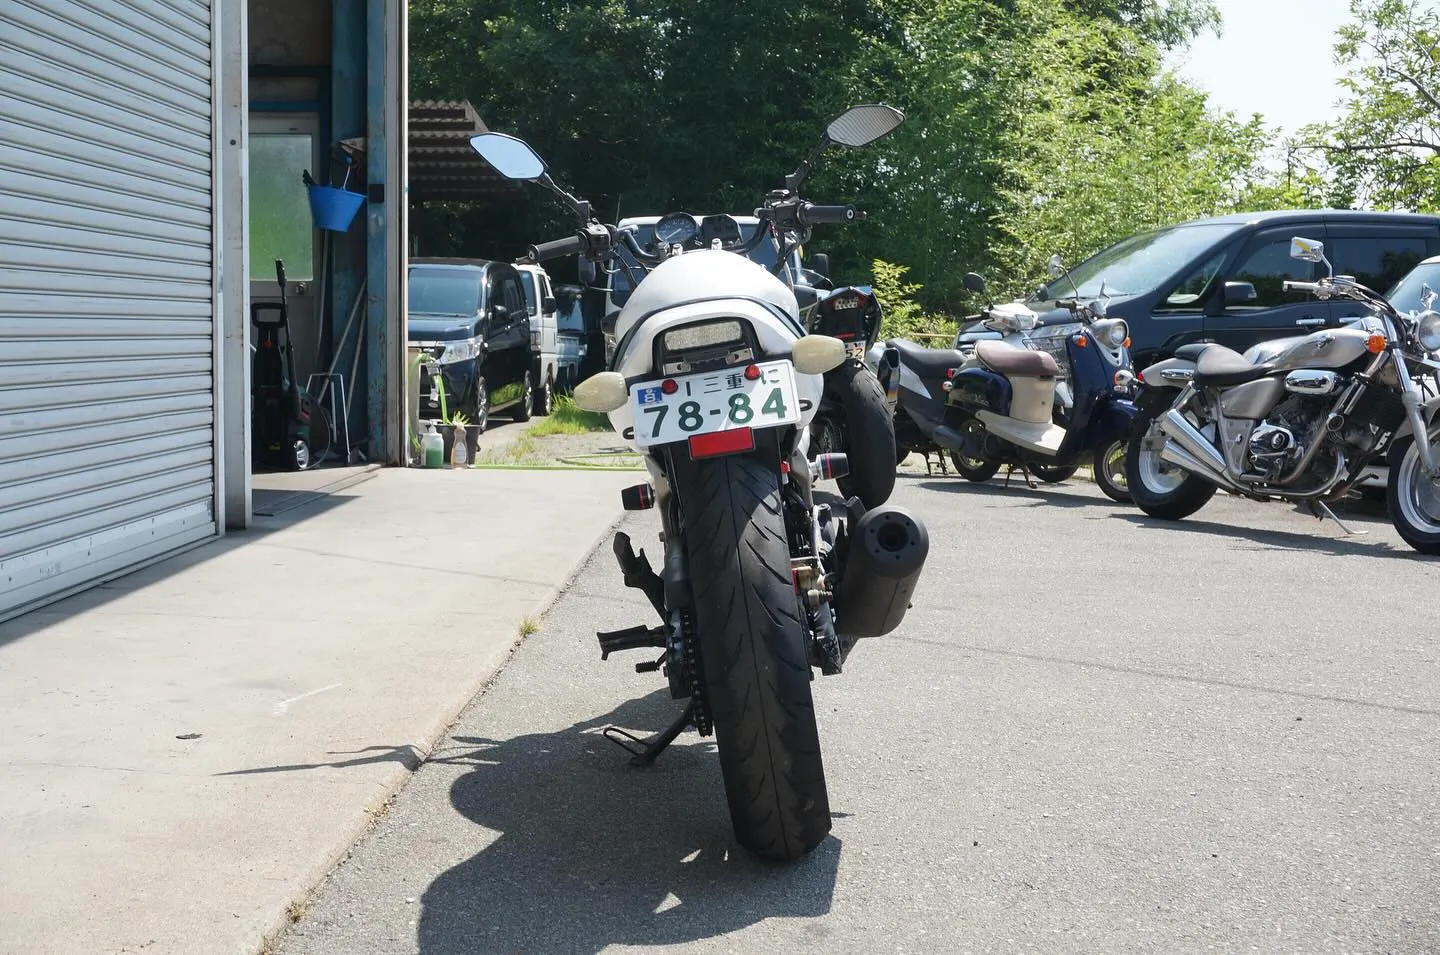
{"x":1414,"y":410}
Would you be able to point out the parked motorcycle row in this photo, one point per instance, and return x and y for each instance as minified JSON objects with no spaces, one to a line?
{"x":1296,"y":419}
{"x":744,"y":381}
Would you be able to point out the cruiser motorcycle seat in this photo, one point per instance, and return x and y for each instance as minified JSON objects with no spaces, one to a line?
{"x":1221,"y":367}
{"x":1005,"y":359}
{"x":927,"y":362}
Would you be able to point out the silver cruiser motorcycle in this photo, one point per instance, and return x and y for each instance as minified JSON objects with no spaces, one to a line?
{"x":715,"y":382}
{"x":1298,"y":419}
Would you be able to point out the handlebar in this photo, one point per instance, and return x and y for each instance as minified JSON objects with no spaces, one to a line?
{"x":812,"y":214}
{"x":570,"y":245}
{"x":1290,"y":286}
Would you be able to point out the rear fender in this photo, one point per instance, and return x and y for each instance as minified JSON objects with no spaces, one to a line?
{"x":1172,"y":373}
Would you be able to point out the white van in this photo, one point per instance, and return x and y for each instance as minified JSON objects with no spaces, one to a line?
{"x":549,"y":372}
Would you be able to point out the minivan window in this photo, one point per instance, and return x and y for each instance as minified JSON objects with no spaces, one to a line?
{"x":1193,"y":287}
{"x":528,"y":280}
{"x":1405,"y":296}
{"x":1377,"y":262}
{"x":1140,"y":263}
{"x":1267,"y":267}
{"x":444,"y":291}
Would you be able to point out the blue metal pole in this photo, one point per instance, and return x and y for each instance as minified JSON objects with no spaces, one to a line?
{"x":376,"y":153}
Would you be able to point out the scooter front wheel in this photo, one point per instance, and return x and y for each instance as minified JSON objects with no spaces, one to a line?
{"x":1109,"y":467}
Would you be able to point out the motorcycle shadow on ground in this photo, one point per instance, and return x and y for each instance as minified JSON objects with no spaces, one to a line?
{"x":594,"y":852}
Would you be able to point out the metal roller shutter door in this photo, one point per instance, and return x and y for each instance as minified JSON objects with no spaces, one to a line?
{"x":107,"y":453}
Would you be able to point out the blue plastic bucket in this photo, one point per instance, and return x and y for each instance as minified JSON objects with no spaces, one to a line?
{"x":334,"y":209}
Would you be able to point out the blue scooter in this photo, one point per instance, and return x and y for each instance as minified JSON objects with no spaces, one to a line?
{"x":1063,"y":401}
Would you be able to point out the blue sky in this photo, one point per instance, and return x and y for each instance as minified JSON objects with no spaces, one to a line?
{"x":1276,"y":57}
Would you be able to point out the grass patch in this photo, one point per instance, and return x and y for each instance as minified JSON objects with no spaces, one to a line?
{"x":529,"y":627}
{"x":565,"y":418}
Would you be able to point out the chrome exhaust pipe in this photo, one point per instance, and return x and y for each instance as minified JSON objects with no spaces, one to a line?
{"x":1187,"y":448}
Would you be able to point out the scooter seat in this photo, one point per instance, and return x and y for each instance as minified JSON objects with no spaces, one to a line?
{"x":1005,"y":359}
{"x":1193,"y":351}
{"x":1221,"y":367}
{"x":927,"y":362}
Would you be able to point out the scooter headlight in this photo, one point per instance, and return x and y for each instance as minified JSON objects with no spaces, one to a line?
{"x":463,"y":350}
{"x":1111,"y":332}
{"x":1427,"y":331}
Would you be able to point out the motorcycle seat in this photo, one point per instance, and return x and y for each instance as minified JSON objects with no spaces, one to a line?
{"x":1221,"y":367}
{"x":1006,"y":359}
{"x":927,"y":362}
{"x":1193,"y":351}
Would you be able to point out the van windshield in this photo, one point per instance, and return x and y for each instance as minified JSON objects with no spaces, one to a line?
{"x":1406,"y":295}
{"x":1142,"y":262}
{"x":445,"y":291}
{"x":762,"y":254}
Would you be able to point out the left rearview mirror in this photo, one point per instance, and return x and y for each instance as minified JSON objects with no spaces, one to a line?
{"x":1307,"y":250}
{"x":512,"y":158}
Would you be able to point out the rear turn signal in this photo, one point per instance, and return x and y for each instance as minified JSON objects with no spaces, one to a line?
{"x":722,"y":442}
{"x":641,"y":497}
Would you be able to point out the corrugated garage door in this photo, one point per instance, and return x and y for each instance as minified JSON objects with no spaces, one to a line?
{"x":106,"y":405}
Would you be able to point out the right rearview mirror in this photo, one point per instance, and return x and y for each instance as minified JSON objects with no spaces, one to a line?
{"x":863,"y":125}
{"x":1056,"y":266}
{"x":1307,"y":250}
{"x":974,"y":282}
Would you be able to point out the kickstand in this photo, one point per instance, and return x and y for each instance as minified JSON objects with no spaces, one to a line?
{"x":1321,"y":510}
{"x":644,"y":752}
{"x":1024,"y":472}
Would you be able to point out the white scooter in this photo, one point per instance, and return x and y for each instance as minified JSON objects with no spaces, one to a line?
{"x":715,"y":382}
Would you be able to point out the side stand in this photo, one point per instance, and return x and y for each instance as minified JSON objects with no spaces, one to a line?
{"x":1321,"y":510}
{"x":644,"y":752}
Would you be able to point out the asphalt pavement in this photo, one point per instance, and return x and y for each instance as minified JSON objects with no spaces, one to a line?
{"x":1094,"y":732}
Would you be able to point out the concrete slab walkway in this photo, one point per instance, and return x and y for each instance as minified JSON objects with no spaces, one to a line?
{"x":187,"y":750}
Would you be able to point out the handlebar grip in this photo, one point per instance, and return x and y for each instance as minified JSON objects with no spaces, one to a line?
{"x":1290,"y":286}
{"x":811,"y":214}
{"x":571,"y":245}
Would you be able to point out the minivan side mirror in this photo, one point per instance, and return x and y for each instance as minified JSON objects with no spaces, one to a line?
{"x":548,"y":305}
{"x":499,"y":312}
{"x":1237,"y":293}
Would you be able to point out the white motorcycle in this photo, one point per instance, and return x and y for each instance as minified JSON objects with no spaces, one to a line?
{"x":715,"y":382}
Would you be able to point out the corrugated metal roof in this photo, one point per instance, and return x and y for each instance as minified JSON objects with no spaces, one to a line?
{"x":442,"y":164}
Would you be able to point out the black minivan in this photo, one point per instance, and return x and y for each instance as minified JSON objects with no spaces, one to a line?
{"x":1220,"y":279}
{"x":469,"y":315}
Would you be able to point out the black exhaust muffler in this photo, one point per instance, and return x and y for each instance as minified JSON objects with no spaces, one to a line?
{"x":884,"y":554}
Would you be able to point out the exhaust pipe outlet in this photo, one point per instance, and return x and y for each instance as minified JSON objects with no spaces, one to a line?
{"x":1187,"y":448}
{"x":886,"y":552}
{"x":949,"y":439}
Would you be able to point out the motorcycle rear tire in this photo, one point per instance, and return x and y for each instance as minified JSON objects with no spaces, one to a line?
{"x":752,"y":637}
{"x":869,"y":431}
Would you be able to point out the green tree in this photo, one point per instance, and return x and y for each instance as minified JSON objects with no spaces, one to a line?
{"x":1384,"y":149}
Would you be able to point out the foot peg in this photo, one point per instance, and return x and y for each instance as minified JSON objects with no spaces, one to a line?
{"x":631,"y":638}
{"x":639,"y":574}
